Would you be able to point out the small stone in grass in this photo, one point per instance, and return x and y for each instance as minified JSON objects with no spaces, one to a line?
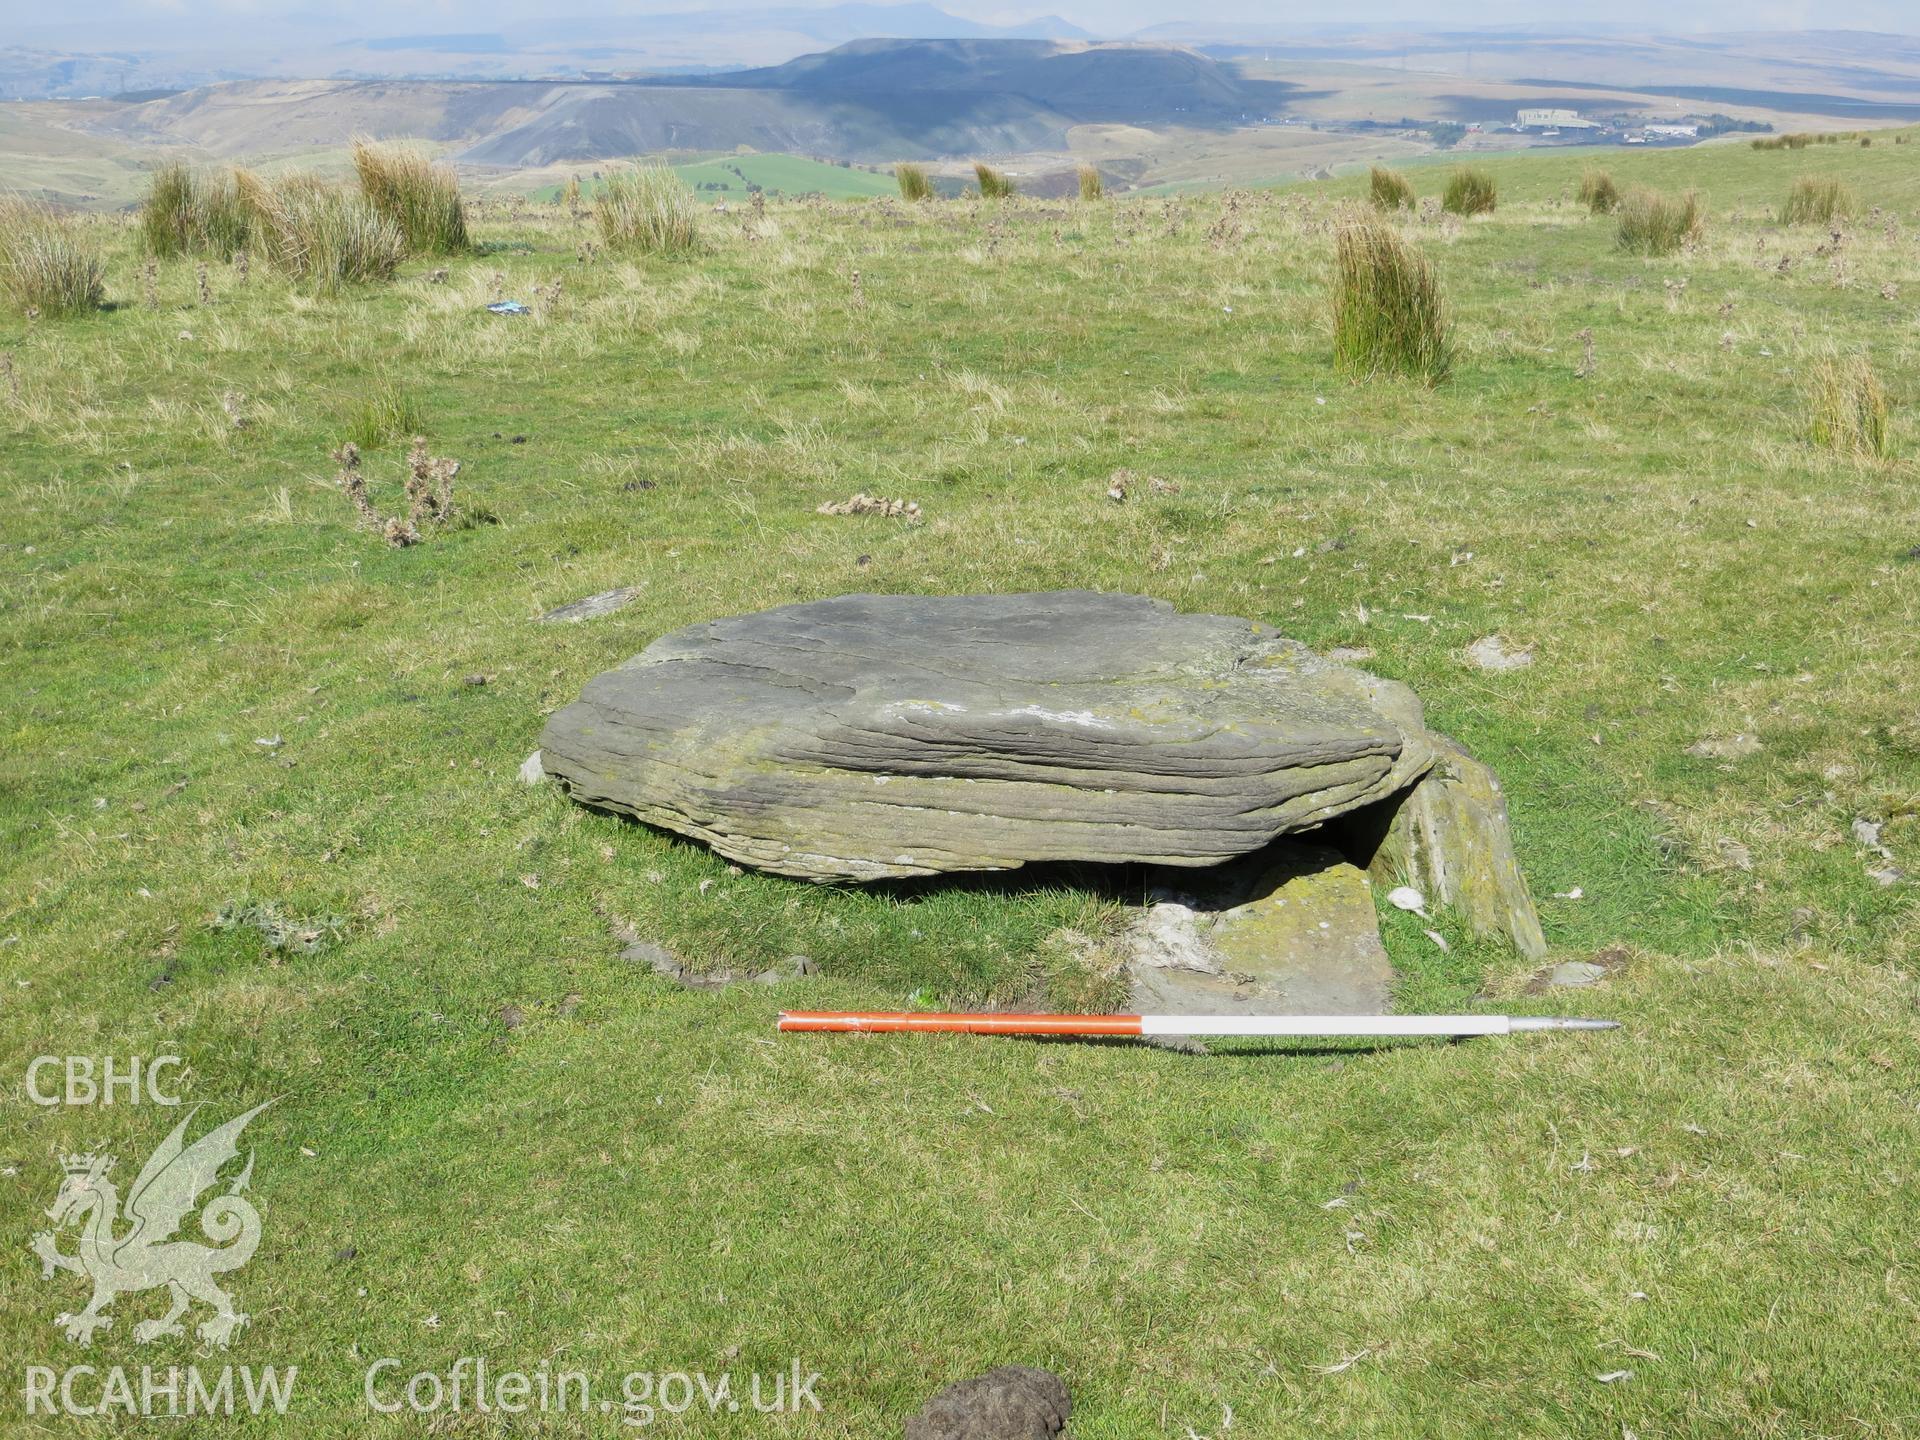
{"x":1494,"y":652}
{"x":591,"y":608}
{"x":1730,"y":747}
{"x":531,"y":772}
{"x":1576,"y":972}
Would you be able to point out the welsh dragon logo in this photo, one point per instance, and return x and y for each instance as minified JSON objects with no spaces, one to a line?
{"x":147,"y":1256}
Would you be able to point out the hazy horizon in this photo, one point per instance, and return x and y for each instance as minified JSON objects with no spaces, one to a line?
{"x":198,"y":22}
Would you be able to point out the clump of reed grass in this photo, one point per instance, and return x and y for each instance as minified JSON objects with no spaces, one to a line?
{"x":1656,"y":224}
{"x":647,"y":208}
{"x":48,"y":265}
{"x":1816,"y":201}
{"x":188,"y":212}
{"x":404,"y":185}
{"x":1388,"y":314}
{"x":1389,"y":189}
{"x":913,"y":182}
{"x":1847,"y":409}
{"x":1092,"y":187}
{"x":321,"y":233}
{"x":994,"y":184}
{"x":1470,"y":191}
{"x":1598,"y":192}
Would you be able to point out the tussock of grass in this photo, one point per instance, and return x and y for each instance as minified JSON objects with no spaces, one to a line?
{"x":405,"y":186}
{"x":1847,"y":408}
{"x":1816,"y":201}
{"x":1389,"y":189}
{"x":47,"y":263}
{"x":188,"y":213}
{"x":1388,"y":315}
{"x":647,"y":209}
{"x":913,"y":182}
{"x":1598,"y":192}
{"x":383,"y":415}
{"x":1656,"y":224}
{"x":321,"y":233}
{"x":994,"y":184}
{"x":1092,"y":187}
{"x":1470,"y":191}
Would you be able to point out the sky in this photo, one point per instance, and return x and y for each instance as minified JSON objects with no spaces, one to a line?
{"x":1103,"y":16}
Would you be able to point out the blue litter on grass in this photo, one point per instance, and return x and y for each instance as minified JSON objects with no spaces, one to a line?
{"x":509,"y":307}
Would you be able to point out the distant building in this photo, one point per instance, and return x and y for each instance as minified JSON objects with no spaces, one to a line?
{"x":1554,"y":120}
{"x":1674,"y":132}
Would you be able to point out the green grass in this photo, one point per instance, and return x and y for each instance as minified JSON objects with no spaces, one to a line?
{"x":1470,"y":191}
{"x":1654,"y":224}
{"x":647,"y":210}
{"x":994,"y":184}
{"x":1848,"y":408}
{"x":782,"y":176}
{"x":1388,"y":313}
{"x":1389,"y":189}
{"x":189,"y":212}
{"x":405,"y":187}
{"x":913,"y":182}
{"x":1598,"y":192}
{"x":629,"y":1176}
{"x":733,"y":178}
{"x":1817,"y":200}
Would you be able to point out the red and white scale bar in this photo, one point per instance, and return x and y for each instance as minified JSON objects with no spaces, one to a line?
{"x":987,"y":1023}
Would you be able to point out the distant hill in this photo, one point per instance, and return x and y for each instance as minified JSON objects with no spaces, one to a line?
{"x":1089,"y":83}
{"x":871,"y":100}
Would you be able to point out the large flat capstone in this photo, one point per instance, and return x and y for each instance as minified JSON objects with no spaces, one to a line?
{"x":871,"y":736}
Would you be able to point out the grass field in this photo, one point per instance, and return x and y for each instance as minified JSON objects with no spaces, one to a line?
{"x":779,"y":176}
{"x":494,"y":1137}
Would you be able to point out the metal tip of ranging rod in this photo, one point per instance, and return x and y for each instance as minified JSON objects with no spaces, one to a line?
{"x":1559,"y":1022}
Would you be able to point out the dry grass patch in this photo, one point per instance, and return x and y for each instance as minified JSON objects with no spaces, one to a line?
{"x":321,"y":233}
{"x":1092,"y":187}
{"x":48,"y":264}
